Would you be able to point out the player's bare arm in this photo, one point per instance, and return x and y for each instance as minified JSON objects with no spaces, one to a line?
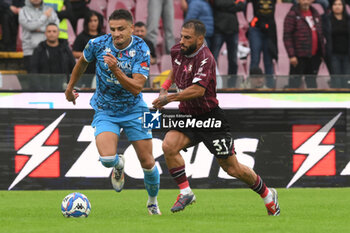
{"x":167,"y":83}
{"x":134,"y":84}
{"x":191,"y":92}
{"x":77,"y":72}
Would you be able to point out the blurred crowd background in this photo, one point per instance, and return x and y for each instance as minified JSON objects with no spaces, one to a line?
{"x":258,"y":44}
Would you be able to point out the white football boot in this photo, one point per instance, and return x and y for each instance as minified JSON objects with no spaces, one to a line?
{"x":117,"y":176}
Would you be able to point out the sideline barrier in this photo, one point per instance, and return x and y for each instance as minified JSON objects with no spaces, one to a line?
{"x":10,"y":81}
{"x":294,"y":140}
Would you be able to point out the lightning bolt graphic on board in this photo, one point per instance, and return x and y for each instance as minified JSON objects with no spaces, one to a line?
{"x":37,"y":151}
{"x":314,"y":150}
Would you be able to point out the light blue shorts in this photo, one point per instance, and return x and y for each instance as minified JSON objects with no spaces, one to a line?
{"x":132,"y":127}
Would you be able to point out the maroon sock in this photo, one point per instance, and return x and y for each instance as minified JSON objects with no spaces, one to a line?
{"x":180,"y":177}
{"x":260,"y":187}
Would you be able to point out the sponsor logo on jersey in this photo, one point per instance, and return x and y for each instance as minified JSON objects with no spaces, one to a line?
{"x":144,"y":66}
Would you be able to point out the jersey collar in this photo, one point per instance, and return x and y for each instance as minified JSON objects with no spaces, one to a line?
{"x":194,"y":54}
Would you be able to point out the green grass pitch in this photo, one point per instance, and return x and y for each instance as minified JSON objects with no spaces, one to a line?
{"x":321,"y":210}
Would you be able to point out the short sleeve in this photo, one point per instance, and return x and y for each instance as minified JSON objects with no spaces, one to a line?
{"x":142,"y":61}
{"x":89,"y":51}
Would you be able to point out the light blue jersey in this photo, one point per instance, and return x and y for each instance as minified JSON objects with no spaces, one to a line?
{"x":110,"y":97}
{"x":115,"y":107}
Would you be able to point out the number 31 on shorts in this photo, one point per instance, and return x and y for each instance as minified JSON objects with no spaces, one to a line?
{"x":220,"y":145}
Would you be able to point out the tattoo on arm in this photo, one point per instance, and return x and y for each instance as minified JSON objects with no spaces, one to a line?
{"x":164,"y":100}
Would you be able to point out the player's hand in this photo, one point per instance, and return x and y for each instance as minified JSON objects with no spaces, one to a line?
{"x":110,"y":60}
{"x":160,"y":102}
{"x":71,"y":95}
{"x":293,"y":61}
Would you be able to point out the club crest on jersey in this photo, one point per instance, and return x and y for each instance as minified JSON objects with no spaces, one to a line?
{"x":132,"y":53}
{"x":107,"y":50}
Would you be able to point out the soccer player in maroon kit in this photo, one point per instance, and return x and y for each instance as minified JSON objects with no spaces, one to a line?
{"x":193,"y":72}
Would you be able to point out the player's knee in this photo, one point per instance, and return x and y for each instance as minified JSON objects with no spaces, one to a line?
{"x":233,"y":171}
{"x":169,"y":149}
{"x":105,"y":152}
{"x":147,"y":163}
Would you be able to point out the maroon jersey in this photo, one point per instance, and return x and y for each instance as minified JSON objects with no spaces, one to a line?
{"x":200,"y":69}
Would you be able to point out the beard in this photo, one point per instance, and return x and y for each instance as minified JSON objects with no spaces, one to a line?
{"x":190,"y":50}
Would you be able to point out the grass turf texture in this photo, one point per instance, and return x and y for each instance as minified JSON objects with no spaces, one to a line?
{"x":216,"y":210}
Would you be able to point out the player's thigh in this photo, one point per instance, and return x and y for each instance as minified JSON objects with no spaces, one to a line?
{"x":143,"y":150}
{"x":107,"y":135}
{"x":106,"y":143}
{"x":175,"y":141}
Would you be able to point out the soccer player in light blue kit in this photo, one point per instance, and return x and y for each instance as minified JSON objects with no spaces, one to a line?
{"x":122,"y":68}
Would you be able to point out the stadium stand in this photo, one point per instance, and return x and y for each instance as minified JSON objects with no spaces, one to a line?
{"x":9,"y":81}
{"x":98,"y":5}
{"x":165,"y":62}
{"x":12,"y":63}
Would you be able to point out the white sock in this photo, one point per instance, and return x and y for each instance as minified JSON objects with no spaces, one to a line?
{"x":152,"y":200}
{"x":268,"y":197}
{"x":186,"y":191}
{"x":120,"y":163}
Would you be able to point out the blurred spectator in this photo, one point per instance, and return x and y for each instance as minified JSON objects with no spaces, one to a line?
{"x":336,"y":28}
{"x":9,"y":23}
{"x":201,"y":10}
{"x":226,"y":30}
{"x":52,"y":56}
{"x":63,"y":9}
{"x":92,"y":29}
{"x":140,"y":30}
{"x":262,"y":36}
{"x":79,"y":10}
{"x":323,"y":3}
{"x":304,"y":42}
{"x":156,"y":9}
{"x":34,"y":17}
{"x":256,"y":79}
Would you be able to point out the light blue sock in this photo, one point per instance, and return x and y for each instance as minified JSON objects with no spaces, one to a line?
{"x":152,"y":181}
{"x":109,"y":161}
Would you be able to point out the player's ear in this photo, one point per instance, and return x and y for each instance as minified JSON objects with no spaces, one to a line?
{"x":200,"y":39}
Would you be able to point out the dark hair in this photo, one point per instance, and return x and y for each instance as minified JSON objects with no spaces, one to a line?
{"x":344,"y":13}
{"x":52,"y":24}
{"x":140,"y":24}
{"x":87,"y":19}
{"x":255,"y":72}
{"x":197,"y":25}
{"x":121,"y":14}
